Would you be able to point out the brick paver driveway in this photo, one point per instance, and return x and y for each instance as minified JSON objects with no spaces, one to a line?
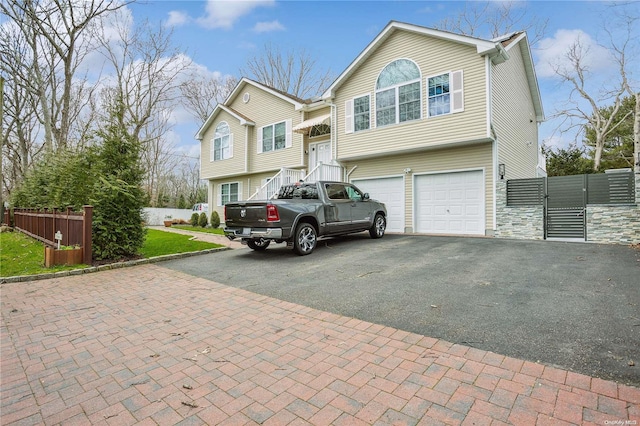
{"x":148,"y":345}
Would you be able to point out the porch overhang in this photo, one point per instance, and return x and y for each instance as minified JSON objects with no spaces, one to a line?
{"x":306,"y":126}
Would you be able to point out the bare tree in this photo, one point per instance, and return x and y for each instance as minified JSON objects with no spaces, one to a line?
{"x":201,"y":94}
{"x":148,"y":70}
{"x":494,"y":19}
{"x":585,"y":106}
{"x":295,"y":72}
{"x":628,"y":21}
{"x":55,"y":33}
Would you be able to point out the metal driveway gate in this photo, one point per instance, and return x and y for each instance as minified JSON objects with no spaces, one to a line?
{"x":566,"y":205}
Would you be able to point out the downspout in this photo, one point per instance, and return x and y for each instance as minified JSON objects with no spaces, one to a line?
{"x":491,"y":133}
{"x":246,"y":149}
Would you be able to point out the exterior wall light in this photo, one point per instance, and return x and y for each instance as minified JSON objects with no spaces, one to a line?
{"x":501,"y":170}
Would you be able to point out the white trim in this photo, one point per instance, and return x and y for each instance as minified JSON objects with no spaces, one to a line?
{"x":452,"y":90}
{"x":288,"y":136}
{"x":489,"y":93}
{"x":216,"y":110}
{"x":438,"y":172}
{"x":396,"y":87}
{"x":353,"y":116}
{"x":219,"y":192}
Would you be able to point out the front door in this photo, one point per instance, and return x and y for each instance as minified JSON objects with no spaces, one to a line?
{"x":319,"y":152}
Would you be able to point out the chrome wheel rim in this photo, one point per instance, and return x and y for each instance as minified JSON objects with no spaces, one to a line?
{"x":307,"y":239}
{"x":380,"y":226}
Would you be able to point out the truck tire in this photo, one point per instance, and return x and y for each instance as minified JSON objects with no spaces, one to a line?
{"x":378,"y":227}
{"x":305,"y":239}
{"x":258,"y":245}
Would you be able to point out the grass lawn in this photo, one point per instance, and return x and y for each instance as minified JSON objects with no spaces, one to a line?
{"x":160,"y":242}
{"x":217,"y":231}
{"x":22,"y":255}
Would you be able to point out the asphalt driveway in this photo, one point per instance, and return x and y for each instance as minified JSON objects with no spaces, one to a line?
{"x":573,"y":305}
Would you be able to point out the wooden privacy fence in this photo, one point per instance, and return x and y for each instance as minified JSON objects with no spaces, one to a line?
{"x":43,"y":225}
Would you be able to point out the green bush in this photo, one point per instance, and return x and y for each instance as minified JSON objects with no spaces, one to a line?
{"x":118,"y":197}
{"x":195,"y":218}
{"x":215,"y":219}
{"x":203,"y":221}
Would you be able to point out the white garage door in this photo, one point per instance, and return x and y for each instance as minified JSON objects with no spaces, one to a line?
{"x":390,"y":191}
{"x":450,"y":203}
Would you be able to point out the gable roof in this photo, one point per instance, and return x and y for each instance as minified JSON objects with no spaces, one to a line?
{"x":297,"y":103}
{"x":497,"y":49}
{"x":483,"y":47}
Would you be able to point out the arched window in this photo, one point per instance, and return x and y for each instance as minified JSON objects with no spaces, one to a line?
{"x":222,"y":146}
{"x":398,"y":93}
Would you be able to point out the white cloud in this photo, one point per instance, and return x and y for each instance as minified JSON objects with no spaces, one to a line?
{"x":177,"y":18}
{"x":551,"y":52}
{"x":224,"y":13}
{"x":266,"y":27}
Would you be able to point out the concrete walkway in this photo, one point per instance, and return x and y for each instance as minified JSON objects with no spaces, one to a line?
{"x":148,"y":345}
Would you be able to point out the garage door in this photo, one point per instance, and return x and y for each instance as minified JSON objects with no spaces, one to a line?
{"x":390,"y":191}
{"x":450,"y":203}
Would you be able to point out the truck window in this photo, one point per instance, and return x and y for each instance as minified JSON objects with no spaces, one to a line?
{"x":306,"y":192}
{"x":336,"y":191}
{"x":354,"y":193}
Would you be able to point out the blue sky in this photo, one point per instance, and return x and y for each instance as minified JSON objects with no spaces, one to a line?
{"x":221,"y":35}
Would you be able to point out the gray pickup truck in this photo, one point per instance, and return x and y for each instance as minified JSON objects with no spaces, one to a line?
{"x":302,"y":213}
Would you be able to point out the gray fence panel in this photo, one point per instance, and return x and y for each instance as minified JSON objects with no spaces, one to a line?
{"x":525,"y":192}
{"x":611,"y":188}
{"x":565,"y":191}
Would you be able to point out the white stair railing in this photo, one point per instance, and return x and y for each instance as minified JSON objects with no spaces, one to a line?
{"x":272,"y":186}
{"x":324,"y":172}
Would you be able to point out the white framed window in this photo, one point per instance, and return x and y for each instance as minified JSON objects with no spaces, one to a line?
{"x":361,"y":113}
{"x":445,"y":94}
{"x":398,"y":93}
{"x":222,"y":143}
{"x":275,"y":137}
{"x":228,"y":193}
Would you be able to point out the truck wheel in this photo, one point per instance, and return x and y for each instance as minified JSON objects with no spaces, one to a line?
{"x":305,"y":239}
{"x":378,"y":227}
{"x":258,"y":245}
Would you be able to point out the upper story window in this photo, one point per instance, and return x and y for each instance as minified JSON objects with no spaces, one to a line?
{"x":361,"y":113}
{"x":445,"y":93}
{"x":274,"y":136}
{"x":222,"y":146}
{"x":398,"y":91}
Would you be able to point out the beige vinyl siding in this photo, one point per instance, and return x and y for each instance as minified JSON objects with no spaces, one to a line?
{"x":230,"y":166}
{"x":470,"y":157}
{"x":265,"y":109}
{"x":433,"y":57}
{"x":514,"y":118}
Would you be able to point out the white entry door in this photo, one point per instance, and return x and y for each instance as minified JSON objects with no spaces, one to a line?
{"x":450,"y":203}
{"x":319,"y":152}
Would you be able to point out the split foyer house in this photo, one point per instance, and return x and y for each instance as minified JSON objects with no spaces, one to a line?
{"x":423,"y":120}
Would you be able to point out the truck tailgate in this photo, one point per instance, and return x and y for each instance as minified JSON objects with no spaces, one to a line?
{"x":246,"y":214}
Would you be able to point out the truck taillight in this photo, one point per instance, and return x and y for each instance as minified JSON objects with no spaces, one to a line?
{"x":225,"y":213}
{"x":272,"y":213}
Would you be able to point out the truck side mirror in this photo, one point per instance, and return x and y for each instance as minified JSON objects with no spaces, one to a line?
{"x":365,"y":197}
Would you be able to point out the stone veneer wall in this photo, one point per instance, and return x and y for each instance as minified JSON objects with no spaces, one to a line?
{"x":605,"y":223}
{"x":525,"y":222}
{"x":615,"y":224}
